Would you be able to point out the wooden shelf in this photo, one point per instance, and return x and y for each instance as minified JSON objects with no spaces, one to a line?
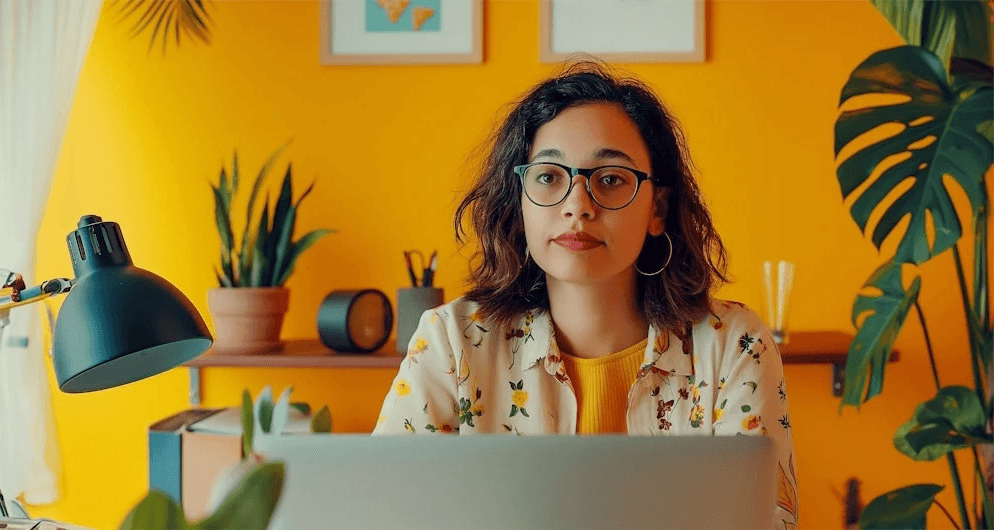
{"x":302,"y":353}
{"x":819,"y":347}
{"x":802,"y":347}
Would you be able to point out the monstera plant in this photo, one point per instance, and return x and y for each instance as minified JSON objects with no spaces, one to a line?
{"x":929,"y":131}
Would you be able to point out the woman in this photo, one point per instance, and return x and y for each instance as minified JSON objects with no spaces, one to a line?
{"x":590,"y":308}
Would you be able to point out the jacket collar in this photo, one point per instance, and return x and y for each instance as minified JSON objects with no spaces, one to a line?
{"x":665,"y":350}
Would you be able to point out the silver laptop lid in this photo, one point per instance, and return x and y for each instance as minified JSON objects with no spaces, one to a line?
{"x":525,"y":482}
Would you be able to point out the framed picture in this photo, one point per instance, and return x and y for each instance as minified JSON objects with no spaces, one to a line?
{"x":629,"y":31}
{"x":401,"y":31}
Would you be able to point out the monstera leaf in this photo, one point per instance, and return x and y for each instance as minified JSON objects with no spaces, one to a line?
{"x":953,"y":419}
{"x":871,"y":346}
{"x":942,"y":135}
{"x":902,"y":508}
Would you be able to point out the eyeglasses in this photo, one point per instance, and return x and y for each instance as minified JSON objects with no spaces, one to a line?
{"x":611,"y":187}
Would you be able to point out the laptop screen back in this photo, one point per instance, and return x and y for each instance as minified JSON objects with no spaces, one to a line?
{"x":524,"y":482}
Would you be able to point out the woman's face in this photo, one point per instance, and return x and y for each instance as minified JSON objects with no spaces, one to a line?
{"x":587,"y":136}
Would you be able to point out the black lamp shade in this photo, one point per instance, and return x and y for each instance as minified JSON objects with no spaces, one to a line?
{"x":119,"y":323}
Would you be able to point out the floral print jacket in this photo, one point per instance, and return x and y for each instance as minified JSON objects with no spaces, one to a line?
{"x":722,"y":376}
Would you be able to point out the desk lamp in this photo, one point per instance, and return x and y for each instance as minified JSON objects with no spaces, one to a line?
{"x":118,"y":324}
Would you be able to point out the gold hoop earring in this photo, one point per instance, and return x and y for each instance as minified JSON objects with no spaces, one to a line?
{"x":670,"y":256}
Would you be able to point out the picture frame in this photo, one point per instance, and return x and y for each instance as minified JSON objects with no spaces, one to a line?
{"x":401,"y":32}
{"x":624,"y":31}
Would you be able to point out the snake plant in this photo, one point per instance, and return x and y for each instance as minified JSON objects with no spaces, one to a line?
{"x":930,"y":131}
{"x":267,"y":253}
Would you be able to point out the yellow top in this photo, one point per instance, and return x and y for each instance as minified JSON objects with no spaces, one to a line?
{"x":602,"y":386}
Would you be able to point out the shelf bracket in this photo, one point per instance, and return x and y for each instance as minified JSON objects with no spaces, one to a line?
{"x":194,"y":386}
{"x":838,"y":378}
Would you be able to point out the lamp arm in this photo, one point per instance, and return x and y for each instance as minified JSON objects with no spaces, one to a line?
{"x":13,"y":292}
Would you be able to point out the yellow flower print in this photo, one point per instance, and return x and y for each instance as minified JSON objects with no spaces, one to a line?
{"x":519,"y":398}
{"x":717,"y":324}
{"x":696,"y":391}
{"x":381,"y":419}
{"x":752,"y":422}
{"x":402,"y":387}
{"x":718,"y":413}
{"x":434,"y":317}
{"x":477,"y":409}
{"x":696,"y":416}
{"x":721,"y":384}
{"x":408,"y":426}
{"x":420,"y":345}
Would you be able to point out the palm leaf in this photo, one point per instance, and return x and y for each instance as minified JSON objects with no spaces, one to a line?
{"x":188,"y":16}
{"x":933,"y":109}
{"x":871,"y":347}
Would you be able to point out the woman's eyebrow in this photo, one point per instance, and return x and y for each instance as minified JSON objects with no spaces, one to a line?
{"x":600,"y":154}
{"x":549,"y":153}
{"x":614,"y":153}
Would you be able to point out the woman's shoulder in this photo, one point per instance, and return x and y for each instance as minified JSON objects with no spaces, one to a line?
{"x":731,"y":316}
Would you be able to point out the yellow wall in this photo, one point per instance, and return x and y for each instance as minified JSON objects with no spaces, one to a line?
{"x":387,"y":145}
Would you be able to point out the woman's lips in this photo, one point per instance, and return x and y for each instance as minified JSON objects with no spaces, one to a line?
{"x":577,"y":242}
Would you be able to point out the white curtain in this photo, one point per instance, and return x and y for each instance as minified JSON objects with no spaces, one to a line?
{"x":42,"y":47}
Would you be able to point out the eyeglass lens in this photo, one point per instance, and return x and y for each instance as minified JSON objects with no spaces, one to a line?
{"x":548,"y":184}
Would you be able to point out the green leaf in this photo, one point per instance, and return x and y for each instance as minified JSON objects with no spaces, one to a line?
{"x":256,"y":187}
{"x":229,"y":277}
{"x":223,"y":221}
{"x":953,"y":419}
{"x":871,"y":347}
{"x":234,"y":173}
{"x":933,"y":109}
{"x":284,"y":244}
{"x":156,"y":511}
{"x":298,"y":248}
{"x":251,"y":504}
{"x":905,"y":17}
{"x":266,"y":415}
{"x":260,"y":262}
{"x":303,"y":408}
{"x":973,"y":29}
{"x":940,"y":32}
{"x":248,"y":423}
{"x":901,"y":508}
{"x":280,"y":213}
{"x":321,"y":422}
{"x":225,"y":189}
{"x":746,"y":408}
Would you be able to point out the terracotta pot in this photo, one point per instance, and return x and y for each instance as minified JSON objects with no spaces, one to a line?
{"x":247,"y":319}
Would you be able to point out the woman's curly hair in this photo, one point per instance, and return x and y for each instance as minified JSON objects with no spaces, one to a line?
{"x":505,"y":283}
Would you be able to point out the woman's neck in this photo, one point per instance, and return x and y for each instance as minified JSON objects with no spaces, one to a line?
{"x":594,"y":320}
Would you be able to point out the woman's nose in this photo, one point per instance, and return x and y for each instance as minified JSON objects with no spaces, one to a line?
{"x":579,"y":202}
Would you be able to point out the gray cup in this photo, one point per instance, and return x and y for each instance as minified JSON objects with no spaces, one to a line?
{"x":412,"y":302}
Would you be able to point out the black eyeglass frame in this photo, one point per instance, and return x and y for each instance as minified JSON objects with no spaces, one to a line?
{"x":640,"y":176}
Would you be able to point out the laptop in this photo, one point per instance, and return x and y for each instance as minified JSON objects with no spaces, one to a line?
{"x":492,"y":482}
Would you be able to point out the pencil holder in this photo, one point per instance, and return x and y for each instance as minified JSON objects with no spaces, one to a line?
{"x":412,"y":302}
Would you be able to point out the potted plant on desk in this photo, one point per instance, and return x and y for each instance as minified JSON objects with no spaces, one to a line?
{"x":249,"y":305}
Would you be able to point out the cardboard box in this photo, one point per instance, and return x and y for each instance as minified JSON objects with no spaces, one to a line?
{"x":183,"y":463}
{"x":188,"y":450}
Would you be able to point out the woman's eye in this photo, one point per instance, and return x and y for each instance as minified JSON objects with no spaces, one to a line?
{"x":546,"y":178}
{"x":612,"y":180}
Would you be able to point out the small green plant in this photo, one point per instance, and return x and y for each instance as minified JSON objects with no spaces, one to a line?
{"x":273,"y":417}
{"x":267,"y":255}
